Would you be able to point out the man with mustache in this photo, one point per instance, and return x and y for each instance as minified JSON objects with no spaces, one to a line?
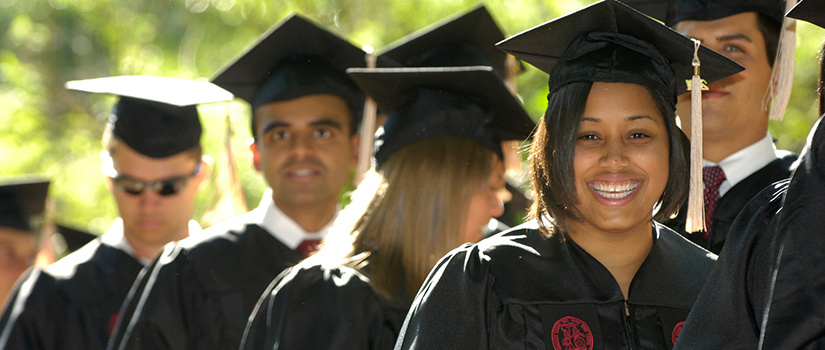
{"x":305,"y":113}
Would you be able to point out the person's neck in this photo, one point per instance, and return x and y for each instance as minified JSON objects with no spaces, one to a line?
{"x":716,"y":148}
{"x":311,"y":217}
{"x":622,"y":253}
{"x":146,"y":251}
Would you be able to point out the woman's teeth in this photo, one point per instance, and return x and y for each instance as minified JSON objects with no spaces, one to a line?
{"x":615,"y":190}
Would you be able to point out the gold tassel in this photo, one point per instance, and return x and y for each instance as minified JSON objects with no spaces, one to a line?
{"x":513,"y":165}
{"x":779,"y":90}
{"x":696,"y":203}
{"x":367,"y":132}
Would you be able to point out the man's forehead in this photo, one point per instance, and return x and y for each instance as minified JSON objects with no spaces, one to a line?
{"x":304,"y":112}
{"x":742,"y":19}
{"x":739,"y":26}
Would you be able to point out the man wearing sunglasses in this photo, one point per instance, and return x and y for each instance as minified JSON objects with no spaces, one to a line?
{"x":152,"y":164}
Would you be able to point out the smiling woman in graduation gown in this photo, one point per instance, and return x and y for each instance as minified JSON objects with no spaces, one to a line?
{"x":592,"y":270}
{"x":443,"y":135}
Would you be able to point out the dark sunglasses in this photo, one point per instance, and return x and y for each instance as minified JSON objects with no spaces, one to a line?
{"x":166,"y":187}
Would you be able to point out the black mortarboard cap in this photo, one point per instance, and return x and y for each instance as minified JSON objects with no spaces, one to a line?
{"x":20,"y":200}
{"x":74,"y":238}
{"x":462,"y":40}
{"x":469,"y":102}
{"x":708,"y":10}
{"x":611,"y":42}
{"x":155,"y":116}
{"x":812,"y":11}
{"x":292,"y":59}
{"x":654,"y":8}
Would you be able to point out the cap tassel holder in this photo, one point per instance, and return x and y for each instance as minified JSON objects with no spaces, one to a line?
{"x":367,"y":131}
{"x":779,"y":91}
{"x":696,"y":205}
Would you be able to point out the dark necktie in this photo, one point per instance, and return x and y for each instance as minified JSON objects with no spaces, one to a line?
{"x":308,"y":247}
{"x":713,"y":177}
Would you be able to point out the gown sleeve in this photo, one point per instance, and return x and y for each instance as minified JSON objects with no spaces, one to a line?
{"x":728,"y":311}
{"x":452,"y":308}
{"x":795,"y":314}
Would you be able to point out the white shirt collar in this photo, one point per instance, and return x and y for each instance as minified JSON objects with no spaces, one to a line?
{"x":114,"y":237}
{"x":281,"y":226}
{"x":745,"y":162}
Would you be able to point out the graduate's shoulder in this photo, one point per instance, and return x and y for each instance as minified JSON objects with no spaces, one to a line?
{"x":519,"y":240}
{"x":224,"y":232}
{"x":330,"y":288}
{"x":680,"y":247}
{"x":231,"y":239}
{"x":681,"y":261}
{"x":497,"y":254}
{"x":320,"y":276}
{"x":67,"y":266}
{"x":34,"y":290}
{"x":95,"y":261}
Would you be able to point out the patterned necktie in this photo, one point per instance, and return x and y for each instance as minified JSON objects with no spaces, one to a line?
{"x":713,"y":177}
{"x":308,"y":247}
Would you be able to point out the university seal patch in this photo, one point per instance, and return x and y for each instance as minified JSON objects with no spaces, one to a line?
{"x":571,"y":333}
{"x":676,"y":330}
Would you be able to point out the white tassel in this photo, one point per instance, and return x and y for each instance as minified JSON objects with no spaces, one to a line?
{"x":779,"y":90}
{"x":696,"y":201}
{"x":367,"y":132}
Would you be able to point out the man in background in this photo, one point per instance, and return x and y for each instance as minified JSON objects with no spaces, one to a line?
{"x":21,"y":200}
{"x":152,"y":164}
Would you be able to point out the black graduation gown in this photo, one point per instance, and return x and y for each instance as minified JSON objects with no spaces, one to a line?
{"x":732,"y":203}
{"x":729,"y":310}
{"x":519,"y":290}
{"x":71,"y":305}
{"x":200,"y":291}
{"x":323,"y":308}
{"x":795,"y":315}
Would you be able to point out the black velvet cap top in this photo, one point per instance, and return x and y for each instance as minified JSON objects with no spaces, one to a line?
{"x":469,"y":102}
{"x":611,"y":42}
{"x":20,"y":200}
{"x":155,"y":116}
{"x":463,"y":40}
{"x":292,"y":59}
{"x":810,"y":11}
{"x":708,"y":10}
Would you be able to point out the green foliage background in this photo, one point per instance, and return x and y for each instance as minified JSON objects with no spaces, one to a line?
{"x":50,"y":131}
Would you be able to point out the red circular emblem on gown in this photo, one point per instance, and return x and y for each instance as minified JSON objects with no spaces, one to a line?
{"x":571,"y":333}
{"x":676,"y":331}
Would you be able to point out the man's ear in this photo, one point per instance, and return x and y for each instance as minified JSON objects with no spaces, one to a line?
{"x":109,"y":183}
{"x":355,"y":145}
{"x":107,"y":161}
{"x":207,"y":165}
{"x":256,"y":154}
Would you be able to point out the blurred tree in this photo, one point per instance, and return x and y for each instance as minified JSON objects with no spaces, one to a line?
{"x":51,"y":131}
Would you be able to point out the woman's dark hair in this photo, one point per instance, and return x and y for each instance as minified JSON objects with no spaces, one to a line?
{"x":551,"y":159}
